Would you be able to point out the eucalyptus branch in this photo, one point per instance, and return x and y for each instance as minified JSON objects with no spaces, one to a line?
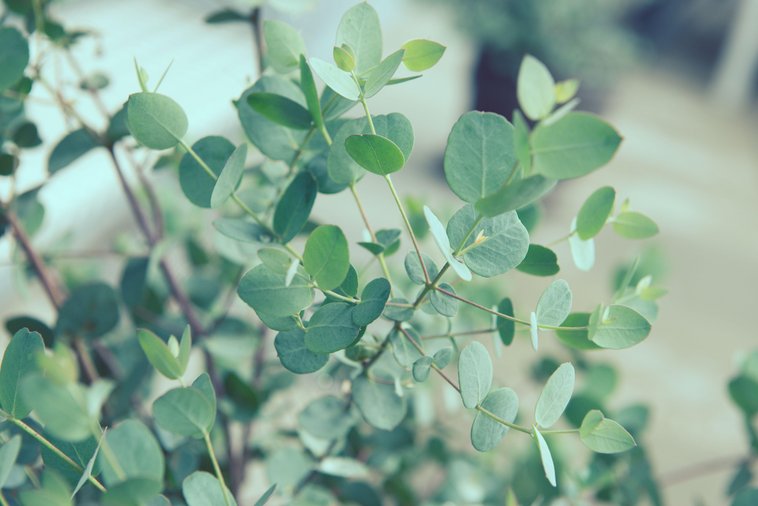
{"x":216,"y":467}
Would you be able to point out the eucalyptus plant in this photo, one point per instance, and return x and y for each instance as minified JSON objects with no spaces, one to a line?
{"x":82,"y":423}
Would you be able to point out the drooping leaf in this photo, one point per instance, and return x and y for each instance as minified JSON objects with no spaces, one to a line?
{"x":506,"y":329}
{"x":335,"y":78}
{"x":203,"y":489}
{"x":14,"y":56}
{"x":284,"y":44}
{"x":379,"y":76}
{"x":442,"y":358}
{"x":308,"y":85}
{"x":295,"y":206}
{"x":375,"y":153}
{"x":555,"y":396}
{"x":281,"y":110}
{"x":196,"y":183}
{"x":603,"y":435}
{"x":295,"y":356}
{"x":444,"y":304}
{"x":186,"y":411}
{"x":331,"y":328}
{"x":539,"y":261}
{"x":230,"y":176}
{"x":379,"y":404}
{"x":422,"y":54}
{"x":594,"y":212}
{"x":633,"y":225}
{"x":267,"y":292}
{"x":72,"y":147}
{"x":486,"y":433}
{"x":421,"y":369}
{"x":582,"y":252}
{"x":474,"y":374}
{"x":545,"y":456}
{"x":479,"y":156}
{"x":137,"y":452}
{"x":535,"y":88}
{"x":19,"y":360}
{"x":574,"y":146}
{"x":515,"y":195}
{"x":414,"y":270}
{"x":155,"y":120}
{"x":359,"y":29}
{"x":439,"y":234}
{"x":505,"y":241}
{"x":91,"y":310}
{"x":554,"y":304}
{"x":619,"y":327}
{"x":326,"y":256}
{"x":373,"y":300}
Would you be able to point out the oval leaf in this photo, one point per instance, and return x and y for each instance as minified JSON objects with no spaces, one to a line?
{"x":474,"y":374}
{"x":155,"y":120}
{"x":375,"y":153}
{"x":594,"y":212}
{"x":554,"y":304}
{"x":422,"y":54}
{"x":331,"y":328}
{"x":486,"y":433}
{"x":326,"y":256}
{"x":555,"y":396}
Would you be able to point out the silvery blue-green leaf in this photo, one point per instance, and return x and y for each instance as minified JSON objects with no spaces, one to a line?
{"x":474,"y":374}
{"x":185,"y":411}
{"x":360,"y":30}
{"x":514,"y":195}
{"x":539,"y":261}
{"x":379,"y":76}
{"x":230,"y":176}
{"x":535,"y":88}
{"x":633,"y":225}
{"x":421,"y":369}
{"x":442,"y":357}
{"x":327,"y":256}
{"x":594,"y":212}
{"x":262,"y":500}
{"x":19,"y":361}
{"x":555,"y":396}
{"x":137,"y":452}
{"x":241,"y":229}
{"x":284,"y":45}
{"x":338,"y":80}
{"x":545,"y":456}
{"x":326,"y":417}
{"x":155,"y":120}
{"x":505,"y":243}
{"x":267,"y":292}
{"x":582,"y":252}
{"x":14,"y":56}
{"x":159,"y":355}
{"x":60,"y":408}
{"x":414,"y":270}
{"x":619,"y":327}
{"x":373,"y":300}
{"x":443,"y":303}
{"x":72,"y":147}
{"x":8,"y":455}
{"x":343,"y":467}
{"x":603,"y":435}
{"x":554,"y":304}
{"x":486,"y":433}
{"x":443,"y":243}
{"x":344,"y":57}
{"x":398,"y":313}
{"x":577,"y":339}
{"x":378,"y":403}
{"x":331,"y":328}
{"x":402,"y":349}
{"x":479,"y":156}
{"x":534,"y":330}
{"x":294,"y":206}
{"x":203,"y":489}
{"x":195,"y":182}
{"x":281,"y":110}
{"x":295,"y":356}
{"x":91,"y":310}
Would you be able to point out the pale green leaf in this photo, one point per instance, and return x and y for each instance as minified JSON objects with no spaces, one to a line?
{"x":546,"y":457}
{"x":603,"y":435}
{"x":284,"y":45}
{"x":331,"y":328}
{"x":326,"y":256}
{"x":421,"y":369}
{"x":19,"y":361}
{"x":535,"y":88}
{"x":326,"y":418}
{"x":594,"y":212}
{"x":266,"y":291}
{"x":554,"y":304}
{"x":514,"y":195}
{"x":486,"y":432}
{"x":203,"y":489}
{"x":8,"y":455}
{"x":633,"y":225}
{"x":379,"y":76}
{"x":379,"y":403}
{"x":137,"y":452}
{"x":439,"y":234}
{"x":337,"y":79}
{"x":155,"y":120}
{"x":422,"y":54}
{"x":185,"y":411}
{"x":359,"y":28}
{"x":375,"y":153}
{"x":474,"y":374}
{"x":555,"y":396}
{"x":619,"y":327}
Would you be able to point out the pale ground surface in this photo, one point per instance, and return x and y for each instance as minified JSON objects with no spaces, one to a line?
{"x":683,"y":162}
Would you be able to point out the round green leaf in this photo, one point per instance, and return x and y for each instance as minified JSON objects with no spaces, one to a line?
{"x":155,"y":120}
{"x":137,"y":452}
{"x":505,"y":245}
{"x":360,"y":30}
{"x":267,"y":292}
{"x":442,"y":357}
{"x":486,"y":433}
{"x":539,"y":261}
{"x":515,"y":195}
{"x":326,"y":418}
{"x":331,"y":328}
{"x":373,"y":300}
{"x":196,"y":183}
{"x":443,"y":303}
{"x":186,"y":411}
{"x":14,"y":56}
{"x":8,"y":455}
{"x":398,"y":313}
{"x":555,"y":396}
{"x":284,"y":45}
{"x":375,"y":153}
{"x":573,"y":146}
{"x":414,"y":270}
{"x":203,"y":489}
{"x":56,"y":406}
{"x":294,"y":207}
{"x":295,"y":356}
{"x":326,"y":256}
{"x":619,"y":327}
{"x":421,"y":369}
{"x":535,"y":88}
{"x":479,"y":156}
{"x":159,"y":355}
{"x":379,"y":403}
{"x":474,"y":374}
{"x":19,"y":360}
{"x":73,"y":146}
{"x":603,"y":435}
{"x":554,"y":304}
{"x":90,"y":311}
{"x":422,"y":54}
{"x":379,"y":76}
{"x":634,"y":225}
{"x":594,"y":212}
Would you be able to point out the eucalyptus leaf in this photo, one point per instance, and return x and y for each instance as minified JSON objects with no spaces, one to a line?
{"x":440,"y":237}
{"x":582,"y":252}
{"x":421,"y":369}
{"x":91,"y":310}
{"x":442,"y":358}
{"x":619,"y":327}
{"x":8,"y":455}
{"x":422,"y":54}
{"x":295,"y":356}
{"x":284,"y":44}
{"x":535,"y":88}
{"x":373,"y":300}
{"x":506,"y":329}
{"x":474,"y":374}
{"x":308,"y":85}
{"x":375,"y":153}
{"x":444,"y":304}
{"x":230,"y":176}
{"x":19,"y":361}
{"x":326,"y":417}
{"x":267,"y":292}
{"x":479,"y":156}
{"x":554,"y":304}
{"x":335,"y":78}
{"x":539,"y":261}
{"x":72,"y":147}
{"x":594,"y":212}
{"x":633,"y":225}
{"x":14,"y":56}
{"x":60,"y":407}
{"x":546,"y":457}
{"x":203,"y":489}
{"x":281,"y":110}
{"x":327,"y":257}
{"x":186,"y":411}
{"x":486,"y":432}
{"x":155,"y":120}
{"x":514,"y":195}
{"x":379,"y":76}
{"x":331,"y":328}
{"x":379,"y":404}
{"x":603,"y":435}
{"x":555,"y":396}
{"x":415,"y":271}
{"x":360,"y":30}
{"x":133,"y":446}
{"x":159,"y":355}
{"x":295,"y":206}
{"x":196,"y":183}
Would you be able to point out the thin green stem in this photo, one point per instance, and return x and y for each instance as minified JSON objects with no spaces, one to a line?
{"x":380,"y":256}
{"x":216,"y":467}
{"x":561,"y":239}
{"x":408,"y":226}
{"x":50,"y":446}
{"x":337,"y":296}
{"x":560,"y":431}
{"x":460,"y":334}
